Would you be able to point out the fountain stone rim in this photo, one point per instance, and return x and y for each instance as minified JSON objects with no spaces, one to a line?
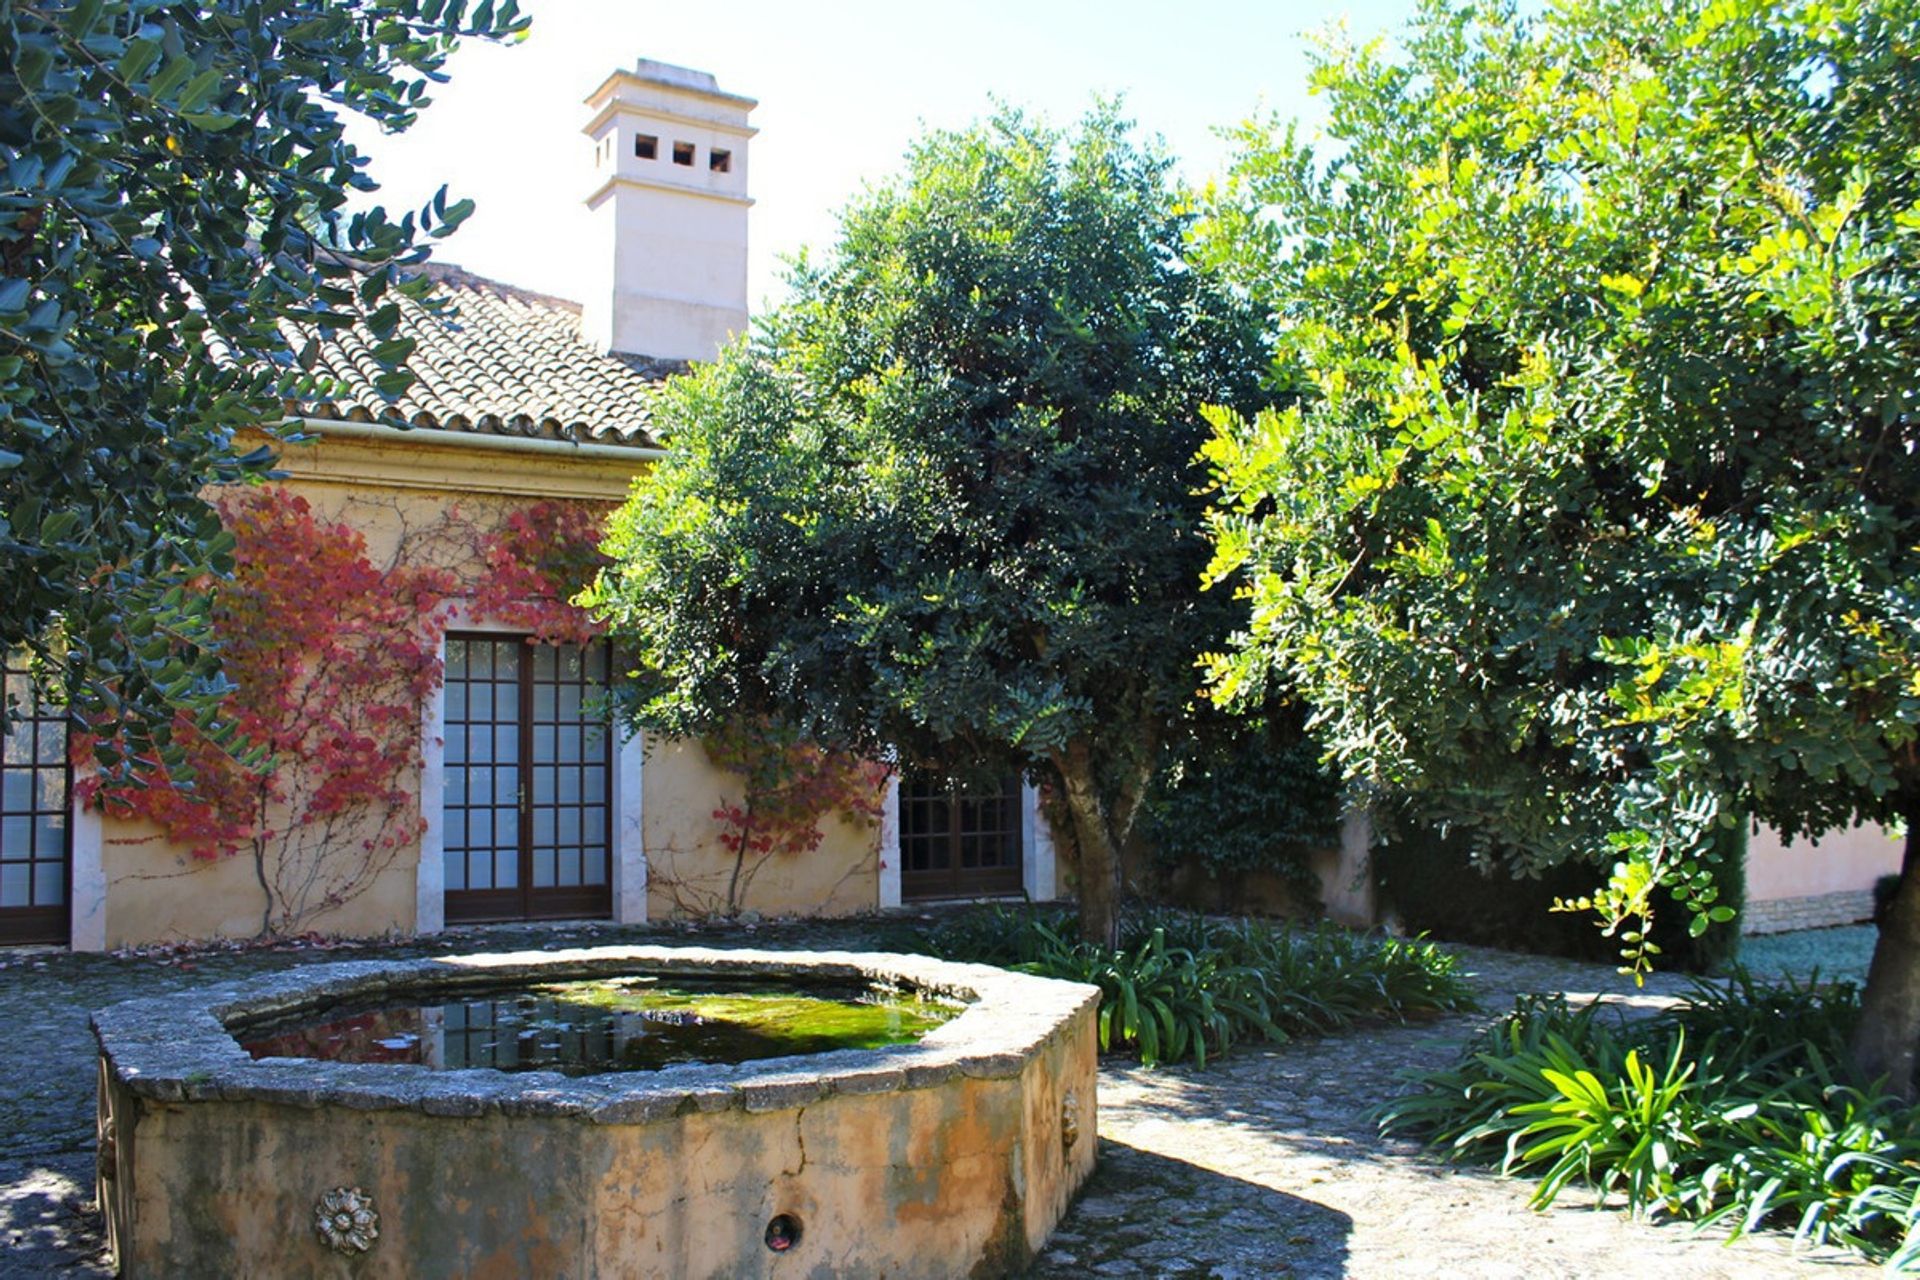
{"x":177,"y":1047}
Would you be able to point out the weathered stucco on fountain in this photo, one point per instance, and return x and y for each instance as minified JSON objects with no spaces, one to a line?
{"x":946,"y":1157}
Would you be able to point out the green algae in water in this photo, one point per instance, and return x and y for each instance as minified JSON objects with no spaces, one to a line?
{"x":599,"y":1025}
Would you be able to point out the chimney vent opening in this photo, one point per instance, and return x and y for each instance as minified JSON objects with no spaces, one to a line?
{"x":683,"y":153}
{"x":720,"y":161}
{"x":646,"y":146}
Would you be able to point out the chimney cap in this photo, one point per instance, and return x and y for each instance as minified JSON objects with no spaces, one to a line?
{"x":677,"y":79}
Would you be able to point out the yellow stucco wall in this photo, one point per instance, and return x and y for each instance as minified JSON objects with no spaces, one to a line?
{"x":688,"y":869}
{"x":396,"y":489}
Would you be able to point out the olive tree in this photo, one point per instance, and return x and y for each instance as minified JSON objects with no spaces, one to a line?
{"x":943,"y":507}
{"x":1595,"y":519}
{"x":174,"y":222}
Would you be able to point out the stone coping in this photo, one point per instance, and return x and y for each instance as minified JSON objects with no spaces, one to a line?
{"x":176,"y":1048}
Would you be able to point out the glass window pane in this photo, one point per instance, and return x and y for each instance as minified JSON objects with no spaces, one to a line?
{"x":543,"y":828}
{"x":593,"y":828}
{"x":16,"y":789}
{"x":593,"y":783}
{"x":569,"y":826}
{"x":479,"y":870}
{"x":569,"y":780}
{"x":543,"y":743}
{"x":456,"y":792}
{"x":544,"y":701}
{"x":456,"y":659}
{"x":543,"y":786}
{"x":480,"y":743}
{"x":49,"y":884}
{"x":53,"y":789}
{"x":543,"y":868}
{"x":16,"y":884}
{"x":506,"y":743}
{"x":506,"y":868}
{"x":594,"y":869}
{"x":506,"y":659}
{"x":506,"y":829}
{"x":456,"y":837}
{"x":455,"y":865}
{"x":569,"y":866}
{"x":50,"y":836}
{"x":456,"y":702}
{"x":16,"y":838}
{"x":479,"y":660}
{"x":543,"y":662}
{"x":455,"y":738}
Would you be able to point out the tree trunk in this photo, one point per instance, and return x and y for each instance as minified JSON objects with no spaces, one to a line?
{"x":1099,"y":856}
{"x":1885,"y":1042}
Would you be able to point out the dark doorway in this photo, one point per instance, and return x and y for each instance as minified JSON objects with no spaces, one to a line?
{"x":528,"y":806}
{"x":36,"y":840}
{"x":959,"y":842}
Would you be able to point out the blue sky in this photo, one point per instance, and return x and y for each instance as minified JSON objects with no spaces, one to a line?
{"x":843,"y":87}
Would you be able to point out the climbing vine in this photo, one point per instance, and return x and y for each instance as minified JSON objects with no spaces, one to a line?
{"x":332,"y":655}
{"x":790,"y":787}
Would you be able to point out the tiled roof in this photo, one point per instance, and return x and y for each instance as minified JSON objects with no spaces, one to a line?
{"x":498,"y":360}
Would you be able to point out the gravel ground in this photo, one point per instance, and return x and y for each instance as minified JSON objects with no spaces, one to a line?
{"x":1837,"y":954}
{"x":1262,"y":1165}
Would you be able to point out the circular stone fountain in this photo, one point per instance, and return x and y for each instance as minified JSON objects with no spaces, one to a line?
{"x":952,"y":1155}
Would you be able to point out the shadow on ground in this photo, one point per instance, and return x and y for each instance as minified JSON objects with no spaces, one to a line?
{"x":47,"y":1223}
{"x":1144,"y":1214}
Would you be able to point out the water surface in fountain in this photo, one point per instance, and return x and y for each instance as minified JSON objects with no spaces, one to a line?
{"x":637,"y":1023}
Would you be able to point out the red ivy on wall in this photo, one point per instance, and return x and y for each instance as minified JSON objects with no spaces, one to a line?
{"x":536,"y":562}
{"x":792,"y":786}
{"x":332,"y":657}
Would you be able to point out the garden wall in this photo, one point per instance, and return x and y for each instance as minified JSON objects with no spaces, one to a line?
{"x":1808,"y":884}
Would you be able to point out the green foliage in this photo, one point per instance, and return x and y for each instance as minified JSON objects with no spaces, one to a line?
{"x":175,"y":198}
{"x":1182,"y":986}
{"x":942,"y":508}
{"x":1259,"y":800}
{"x":1727,"y":1109}
{"x":1591,"y":517}
{"x":1444,"y":885}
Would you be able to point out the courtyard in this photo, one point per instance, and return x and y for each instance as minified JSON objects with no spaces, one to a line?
{"x":1264,"y":1163}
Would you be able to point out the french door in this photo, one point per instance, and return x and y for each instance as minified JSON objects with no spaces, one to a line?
{"x":959,"y":842}
{"x":36,"y":844}
{"x":527,"y":810}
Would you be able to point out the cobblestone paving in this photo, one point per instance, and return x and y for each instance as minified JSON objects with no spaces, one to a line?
{"x":1262,"y":1165}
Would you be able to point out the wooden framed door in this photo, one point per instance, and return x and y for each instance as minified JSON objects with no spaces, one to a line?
{"x":528,"y":803}
{"x":959,"y":843}
{"x":36,"y":840}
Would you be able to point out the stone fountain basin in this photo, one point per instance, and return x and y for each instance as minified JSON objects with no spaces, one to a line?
{"x":954,"y":1155}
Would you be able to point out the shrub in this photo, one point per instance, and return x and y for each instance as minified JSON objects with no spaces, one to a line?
{"x":1183,"y":986}
{"x":1258,"y":802}
{"x":1430,"y":881}
{"x":1728,"y":1109}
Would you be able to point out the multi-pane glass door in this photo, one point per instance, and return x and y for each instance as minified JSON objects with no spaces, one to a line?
{"x":527,"y":811}
{"x":35,"y":843}
{"x":959,"y":842}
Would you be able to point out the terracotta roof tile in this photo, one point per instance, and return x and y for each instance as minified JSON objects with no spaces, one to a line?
{"x":499,"y":359}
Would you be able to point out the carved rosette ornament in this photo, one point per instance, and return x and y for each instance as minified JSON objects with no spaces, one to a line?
{"x":1069,"y":1120}
{"x":346,"y":1220}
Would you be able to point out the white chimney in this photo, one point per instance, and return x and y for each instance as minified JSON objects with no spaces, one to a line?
{"x":669,"y":209}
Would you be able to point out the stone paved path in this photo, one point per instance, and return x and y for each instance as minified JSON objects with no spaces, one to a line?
{"x":1262,"y":1165}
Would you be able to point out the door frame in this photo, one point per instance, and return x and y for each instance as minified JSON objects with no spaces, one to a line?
{"x":626,"y":836}
{"x":50,"y":925}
